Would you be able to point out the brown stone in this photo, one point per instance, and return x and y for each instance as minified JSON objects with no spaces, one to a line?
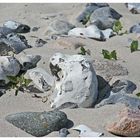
{"x":128,"y":123}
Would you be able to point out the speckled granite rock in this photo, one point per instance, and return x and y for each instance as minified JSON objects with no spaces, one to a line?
{"x":39,"y":123}
{"x":128,"y":123}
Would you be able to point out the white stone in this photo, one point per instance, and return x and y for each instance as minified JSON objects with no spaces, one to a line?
{"x":42,"y":80}
{"x":76,"y":80}
{"x":91,"y":31}
{"x":9,"y":66}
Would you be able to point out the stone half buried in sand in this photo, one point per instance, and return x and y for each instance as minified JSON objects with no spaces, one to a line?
{"x":42,"y":80}
{"x":9,"y":66}
{"x":128,"y":123}
{"x":16,"y":27}
{"x":39,"y":123}
{"x":76,"y":80}
{"x":28,"y":61}
{"x":93,"y":32}
{"x":133,"y":7}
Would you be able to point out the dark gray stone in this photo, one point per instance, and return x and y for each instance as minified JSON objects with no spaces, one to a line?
{"x":89,"y":9}
{"x":133,"y":7}
{"x":105,"y":12}
{"x":39,"y":123}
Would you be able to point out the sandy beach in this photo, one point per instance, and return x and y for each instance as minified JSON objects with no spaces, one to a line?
{"x":35,"y":15}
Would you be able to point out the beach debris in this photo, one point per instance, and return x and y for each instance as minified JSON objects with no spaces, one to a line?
{"x":70,"y":86}
{"x":63,"y":132}
{"x":40,"y":42}
{"x":109,"y":55}
{"x":108,"y":69}
{"x":91,"y":31}
{"x":9,"y":66}
{"x":128,"y":123}
{"x":17,"y":27}
{"x":59,"y":27}
{"x":13,"y":43}
{"x":133,"y":7}
{"x":39,"y":123}
{"x":89,"y":9}
{"x":42,"y":80}
{"x":28,"y":61}
{"x":120,"y":94}
{"x":85,"y":131}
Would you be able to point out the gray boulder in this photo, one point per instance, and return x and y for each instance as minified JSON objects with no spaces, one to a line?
{"x":39,"y":123}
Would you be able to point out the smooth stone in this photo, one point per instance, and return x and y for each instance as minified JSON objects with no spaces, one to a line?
{"x":92,"y":31}
{"x":79,"y":88}
{"x":133,"y":7}
{"x":40,"y":42}
{"x":108,"y":69}
{"x":59,"y":27}
{"x":28,"y":61}
{"x":89,"y":9}
{"x":5,"y":31}
{"x":34,"y":29}
{"x":106,"y":12}
{"x":103,"y":22}
{"x":39,"y":123}
{"x":9,"y":66}
{"x":42,"y":80}
{"x":16,"y":26}
{"x":127,"y":125}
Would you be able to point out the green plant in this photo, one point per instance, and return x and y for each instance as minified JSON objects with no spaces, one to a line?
{"x":83,"y":51}
{"x":117,"y":27}
{"x":134,"y":46}
{"x":86,"y":18}
{"x":109,"y":55}
{"x":138,"y":94}
{"x":19,"y":83}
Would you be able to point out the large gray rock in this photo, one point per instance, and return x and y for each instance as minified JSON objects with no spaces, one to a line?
{"x":39,"y":123}
{"x":76,"y":80}
{"x":42,"y":80}
{"x":9,"y":66}
{"x":59,"y":27}
{"x":135,"y":28}
{"x":89,"y":9}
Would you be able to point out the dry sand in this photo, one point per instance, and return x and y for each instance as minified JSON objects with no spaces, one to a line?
{"x":33,"y":15}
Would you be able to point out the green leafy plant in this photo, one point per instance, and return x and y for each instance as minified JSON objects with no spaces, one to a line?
{"x":109,"y":55}
{"x":19,"y":83}
{"x":134,"y":46}
{"x":83,"y":51}
{"x":138,"y":94}
{"x":117,"y":27}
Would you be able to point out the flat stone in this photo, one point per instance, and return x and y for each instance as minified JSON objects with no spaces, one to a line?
{"x":39,"y":123}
